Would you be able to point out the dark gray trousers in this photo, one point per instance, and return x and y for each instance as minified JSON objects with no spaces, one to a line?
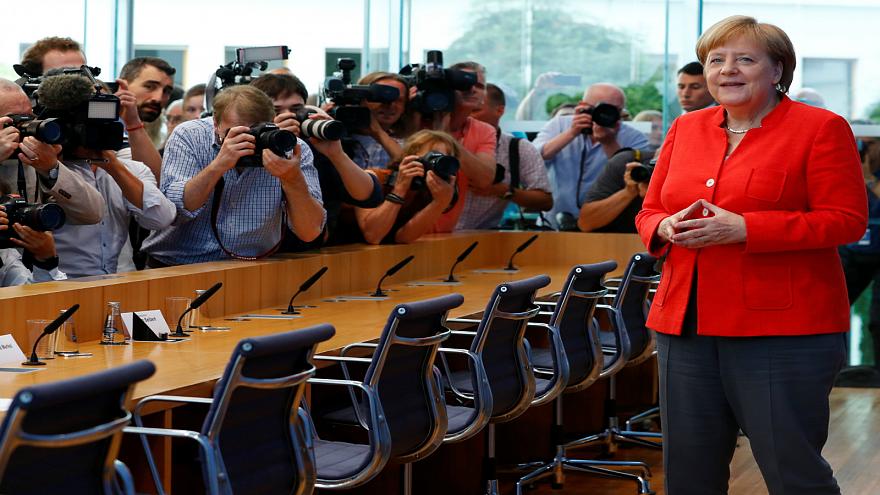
{"x":773,"y":388}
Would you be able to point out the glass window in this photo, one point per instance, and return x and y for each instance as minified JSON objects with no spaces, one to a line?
{"x":832,"y":80}
{"x":23,"y":26}
{"x":174,"y":55}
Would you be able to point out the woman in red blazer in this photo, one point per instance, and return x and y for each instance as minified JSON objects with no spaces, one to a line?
{"x":748,"y":203}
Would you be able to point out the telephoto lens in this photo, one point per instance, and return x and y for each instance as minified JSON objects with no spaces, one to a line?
{"x":323,"y":129}
{"x":642,"y":173}
{"x":48,"y":130}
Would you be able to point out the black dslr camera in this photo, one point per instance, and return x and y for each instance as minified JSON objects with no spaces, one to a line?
{"x":268,"y":137}
{"x":38,"y":217}
{"x":436,"y":85}
{"x":48,"y":130}
{"x":348,"y":97}
{"x":604,"y":114}
{"x":642,"y":173}
{"x":445,"y":166}
{"x":241,"y":70}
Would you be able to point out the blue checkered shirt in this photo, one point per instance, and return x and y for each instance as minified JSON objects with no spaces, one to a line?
{"x":252,"y":207}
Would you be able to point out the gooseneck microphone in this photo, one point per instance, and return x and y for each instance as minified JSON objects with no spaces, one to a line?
{"x":391,"y":271}
{"x":50,"y":329}
{"x":302,"y":288}
{"x":461,"y":257}
{"x":194,"y":305}
{"x":522,"y":247}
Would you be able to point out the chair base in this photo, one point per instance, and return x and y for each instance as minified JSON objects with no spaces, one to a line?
{"x":613,"y":436}
{"x":560,"y":463}
{"x":652,"y":413}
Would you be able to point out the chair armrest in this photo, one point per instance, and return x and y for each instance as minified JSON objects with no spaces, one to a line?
{"x":378,"y":434}
{"x":123,"y":480}
{"x":443,"y":351}
{"x":210,"y":465}
{"x":463,"y":320}
{"x":552,"y":304}
{"x":464,"y":332}
{"x":356,"y":345}
{"x":482,"y":396}
{"x":342,"y":359}
{"x":167,"y":398}
{"x":560,"y":362}
{"x":621,"y":340}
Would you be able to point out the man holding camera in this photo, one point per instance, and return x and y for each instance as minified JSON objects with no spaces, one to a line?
{"x":39,"y":245}
{"x":576,"y":148}
{"x":52,"y":53}
{"x":342,"y":180}
{"x":225,"y":210}
{"x":43,"y":177}
{"x":616,"y":196}
{"x":525,"y":177}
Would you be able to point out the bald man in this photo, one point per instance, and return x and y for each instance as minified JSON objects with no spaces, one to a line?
{"x":575,"y":158}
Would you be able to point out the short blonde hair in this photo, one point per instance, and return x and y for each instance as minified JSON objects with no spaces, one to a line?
{"x":772,"y":38}
{"x":418,"y":140}
{"x":251,"y":104}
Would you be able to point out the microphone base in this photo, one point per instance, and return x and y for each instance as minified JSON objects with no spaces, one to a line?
{"x":511,"y":268}
{"x":379,"y":293}
{"x":451,"y":280}
{"x":33,"y":363}
{"x":291,"y":312}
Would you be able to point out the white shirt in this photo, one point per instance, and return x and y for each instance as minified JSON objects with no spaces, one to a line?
{"x":13,"y":272}
{"x":85,"y":250}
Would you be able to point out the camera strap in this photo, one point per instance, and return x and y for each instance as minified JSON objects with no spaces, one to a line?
{"x":513,"y":160}
{"x":215,"y":208}
{"x":22,"y":182}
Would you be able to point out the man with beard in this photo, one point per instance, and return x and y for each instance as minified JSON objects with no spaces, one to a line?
{"x":147,"y":80}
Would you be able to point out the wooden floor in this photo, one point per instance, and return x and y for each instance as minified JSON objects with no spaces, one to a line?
{"x":853,"y":449}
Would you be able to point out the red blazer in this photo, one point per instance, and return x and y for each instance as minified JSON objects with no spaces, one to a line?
{"x":797,"y":181}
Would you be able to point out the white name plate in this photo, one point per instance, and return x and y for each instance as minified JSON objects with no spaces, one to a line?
{"x":152,"y":318}
{"x":9,"y":351}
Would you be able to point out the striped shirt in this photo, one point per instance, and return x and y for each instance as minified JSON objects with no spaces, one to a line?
{"x":252,"y":206}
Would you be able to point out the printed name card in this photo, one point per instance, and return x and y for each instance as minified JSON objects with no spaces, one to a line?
{"x":9,"y":351}
{"x":146,"y":325}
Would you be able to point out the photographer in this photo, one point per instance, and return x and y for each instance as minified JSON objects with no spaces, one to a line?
{"x":39,"y":246}
{"x":342,"y":181}
{"x":575,"y":148}
{"x":45,"y":177}
{"x":379,"y":144}
{"x":525,"y":178}
{"x":414,"y":200}
{"x":615,"y":197}
{"x":250,"y":203}
{"x":52,"y":53}
{"x":477,"y":140}
{"x":145,"y":85}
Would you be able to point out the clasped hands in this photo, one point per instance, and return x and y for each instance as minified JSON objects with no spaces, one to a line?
{"x":702,"y":224}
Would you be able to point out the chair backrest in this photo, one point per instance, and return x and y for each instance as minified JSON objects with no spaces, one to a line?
{"x":631,"y":303}
{"x":402,"y":371}
{"x":250,"y":420}
{"x":63,"y":437}
{"x":499,"y":341}
{"x":573,"y":316}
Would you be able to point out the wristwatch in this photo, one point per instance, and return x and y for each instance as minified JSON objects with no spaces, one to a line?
{"x":508,"y":195}
{"x":53,"y":173}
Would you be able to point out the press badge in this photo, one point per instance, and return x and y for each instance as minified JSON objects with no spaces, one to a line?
{"x":866,"y":239}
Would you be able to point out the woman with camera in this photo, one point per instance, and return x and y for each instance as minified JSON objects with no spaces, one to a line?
{"x":747,"y":204}
{"x":414,"y":199}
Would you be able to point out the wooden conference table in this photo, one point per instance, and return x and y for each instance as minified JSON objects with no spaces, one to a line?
{"x":264,"y":287}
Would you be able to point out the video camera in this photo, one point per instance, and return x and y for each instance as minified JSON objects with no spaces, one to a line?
{"x":241,"y":70}
{"x":72,"y":109}
{"x":348,"y":97}
{"x":436,"y":85}
{"x":604,"y":114}
{"x":38,"y":217}
{"x":268,"y":137}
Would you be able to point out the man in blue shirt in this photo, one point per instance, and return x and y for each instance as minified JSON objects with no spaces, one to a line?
{"x":574,"y":159}
{"x":253,"y":201}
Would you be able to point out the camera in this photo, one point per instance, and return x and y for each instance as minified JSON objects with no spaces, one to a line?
{"x":604,"y":114}
{"x":325,"y":130}
{"x":642,"y":173}
{"x":38,"y":217}
{"x":268,"y":137}
{"x":74,"y":100}
{"x":445,"y":166}
{"x":241,"y":70}
{"x":436,"y":85}
{"x":348,"y":98}
{"x":47,"y":130}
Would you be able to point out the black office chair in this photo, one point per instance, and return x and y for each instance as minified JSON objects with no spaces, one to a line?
{"x":251,"y":440}
{"x":573,"y":317}
{"x":499,"y":342}
{"x":635,"y":344}
{"x":399,"y":402}
{"x":63,"y":437}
